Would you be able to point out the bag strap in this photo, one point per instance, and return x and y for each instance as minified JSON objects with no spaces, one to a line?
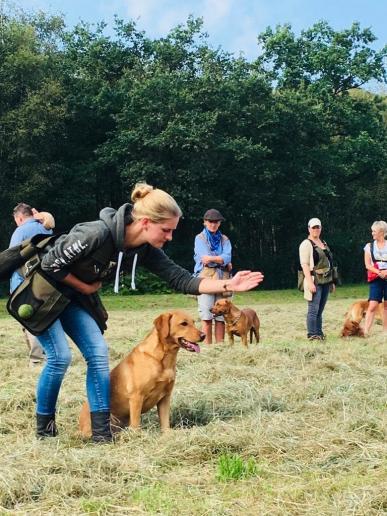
{"x":371,"y":244}
{"x":33,"y":245}
{"x":329,"y":252}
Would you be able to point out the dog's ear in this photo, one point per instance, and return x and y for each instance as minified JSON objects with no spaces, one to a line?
{"x":162,"y":325}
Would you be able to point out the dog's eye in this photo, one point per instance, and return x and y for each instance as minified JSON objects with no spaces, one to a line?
{"x":184,"y":323}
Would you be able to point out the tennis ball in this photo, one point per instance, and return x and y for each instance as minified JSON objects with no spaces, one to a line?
{"x":25,"y":311}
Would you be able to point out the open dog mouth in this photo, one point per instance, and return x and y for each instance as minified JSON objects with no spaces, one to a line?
{"x":188,"y":345}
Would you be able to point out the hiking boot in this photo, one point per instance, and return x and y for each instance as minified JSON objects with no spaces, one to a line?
{"x":45,"y":426}
{"x":100,"y":426}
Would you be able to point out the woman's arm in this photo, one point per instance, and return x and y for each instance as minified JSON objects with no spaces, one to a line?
{"x":82,"y":240}
{"x":242,"y":281}
{"x":181,"y":280}
{"x":308,"y":277}
{"x":369,"y":265}
{"x":200,"y":250}
{"x":79,"y":285}
{"x":305,"y":251}
{"x":206,"y":259}
{"x":222,"y":259}
{"x":225,"y":255}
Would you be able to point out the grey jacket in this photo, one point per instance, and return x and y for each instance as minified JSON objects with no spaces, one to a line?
{"x":86,"y":238}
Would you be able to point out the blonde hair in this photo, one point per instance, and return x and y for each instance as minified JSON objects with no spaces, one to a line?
{"x":153,"y":203}
{"x":380,"y":225}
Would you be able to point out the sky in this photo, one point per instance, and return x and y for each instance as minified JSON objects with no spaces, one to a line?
{"x":231,"y":24}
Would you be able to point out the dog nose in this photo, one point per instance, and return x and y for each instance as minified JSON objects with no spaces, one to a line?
{"x":202,"y":336}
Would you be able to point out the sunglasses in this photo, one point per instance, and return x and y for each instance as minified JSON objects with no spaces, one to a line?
{"x":316,"y":227}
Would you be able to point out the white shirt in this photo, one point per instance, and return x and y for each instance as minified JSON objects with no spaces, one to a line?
{"x":379,"y":254}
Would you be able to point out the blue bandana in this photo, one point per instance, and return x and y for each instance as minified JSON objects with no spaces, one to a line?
{"x":214,"y":241}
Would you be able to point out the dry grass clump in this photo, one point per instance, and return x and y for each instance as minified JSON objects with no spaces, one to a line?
{"x":284,"y":427}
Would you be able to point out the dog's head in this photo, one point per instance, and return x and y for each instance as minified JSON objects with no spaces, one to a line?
{"x":221,"y":307}
{"x":177,"y":328}
{"x":352,"y":329}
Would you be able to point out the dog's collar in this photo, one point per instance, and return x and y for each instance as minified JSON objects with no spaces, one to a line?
{"x":237,"y":319}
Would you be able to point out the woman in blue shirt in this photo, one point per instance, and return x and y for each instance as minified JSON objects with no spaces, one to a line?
{"x":212,"y":260}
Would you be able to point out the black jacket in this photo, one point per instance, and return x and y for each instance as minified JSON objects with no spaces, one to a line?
{"x":90,"y":251}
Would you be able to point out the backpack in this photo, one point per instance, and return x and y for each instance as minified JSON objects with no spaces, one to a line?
{"x":27,"y":251}
{"x":40,"y":300}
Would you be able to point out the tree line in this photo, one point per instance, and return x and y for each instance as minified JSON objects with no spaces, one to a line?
{"x":269,"y":142}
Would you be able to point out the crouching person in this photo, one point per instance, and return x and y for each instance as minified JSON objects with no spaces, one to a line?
{"x":78,"y":261}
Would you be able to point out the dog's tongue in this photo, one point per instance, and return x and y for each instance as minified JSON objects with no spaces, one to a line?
{"x":192,"y":346}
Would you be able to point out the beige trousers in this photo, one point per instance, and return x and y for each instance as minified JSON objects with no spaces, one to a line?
{"x":37,"y":354}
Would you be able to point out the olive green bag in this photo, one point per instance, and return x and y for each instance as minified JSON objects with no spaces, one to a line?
{"x":37,"y":302}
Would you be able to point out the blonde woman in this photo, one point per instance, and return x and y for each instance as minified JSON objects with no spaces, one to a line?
{"x":375,"y":260}
{"x":77,"y":262}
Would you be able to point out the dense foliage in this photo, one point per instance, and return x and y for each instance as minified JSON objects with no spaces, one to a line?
{"x":270,"y":143}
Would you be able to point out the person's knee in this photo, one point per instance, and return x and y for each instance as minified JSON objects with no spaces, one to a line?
{"x":60,"y":362}
{"x":373,"y":305}
{"x":98,"y":357}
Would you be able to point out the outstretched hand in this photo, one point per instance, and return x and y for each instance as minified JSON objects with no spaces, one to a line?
{"x":245,"y":280}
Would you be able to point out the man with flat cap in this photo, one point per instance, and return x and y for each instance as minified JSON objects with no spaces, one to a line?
{"x":212,"y":260}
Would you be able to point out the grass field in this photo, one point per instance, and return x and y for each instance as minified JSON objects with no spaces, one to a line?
{"x":284,"y":427}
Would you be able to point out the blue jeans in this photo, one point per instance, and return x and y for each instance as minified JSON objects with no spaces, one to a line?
{"x":315,"y":310}
{"x":83,"y":330}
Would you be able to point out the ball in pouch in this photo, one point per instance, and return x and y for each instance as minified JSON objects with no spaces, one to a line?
{"x":25,"y":311}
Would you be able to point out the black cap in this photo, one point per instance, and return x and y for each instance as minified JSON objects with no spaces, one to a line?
{"x":213,"y":215}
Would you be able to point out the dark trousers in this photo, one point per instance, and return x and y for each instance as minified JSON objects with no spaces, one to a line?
{"x":315,"y":310}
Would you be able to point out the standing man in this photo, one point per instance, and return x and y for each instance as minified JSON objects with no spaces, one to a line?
{"x":29,"y":223}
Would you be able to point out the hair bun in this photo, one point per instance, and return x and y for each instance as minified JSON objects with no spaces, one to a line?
{"x":140,"y":191}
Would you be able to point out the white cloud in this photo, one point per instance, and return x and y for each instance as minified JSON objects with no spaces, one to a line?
{"x":215,"y":11}
{"x":145,"y":9}
{"x":159,"y":17}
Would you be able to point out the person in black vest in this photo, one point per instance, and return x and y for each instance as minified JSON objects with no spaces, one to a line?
{"x":78,"y":261}
{"x":317,"y":264}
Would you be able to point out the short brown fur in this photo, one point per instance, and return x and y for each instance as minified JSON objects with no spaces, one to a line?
{"x":354,"y":317}
{"x":238,"y":322}
{"x":146,"y":376}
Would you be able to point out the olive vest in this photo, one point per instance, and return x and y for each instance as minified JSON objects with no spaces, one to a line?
{"x":323,"y":270}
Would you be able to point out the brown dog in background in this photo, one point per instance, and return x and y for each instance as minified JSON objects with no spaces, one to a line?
{"x":146,"y":376}
{"x":238,"y":322}
{"x":354,"y":317}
